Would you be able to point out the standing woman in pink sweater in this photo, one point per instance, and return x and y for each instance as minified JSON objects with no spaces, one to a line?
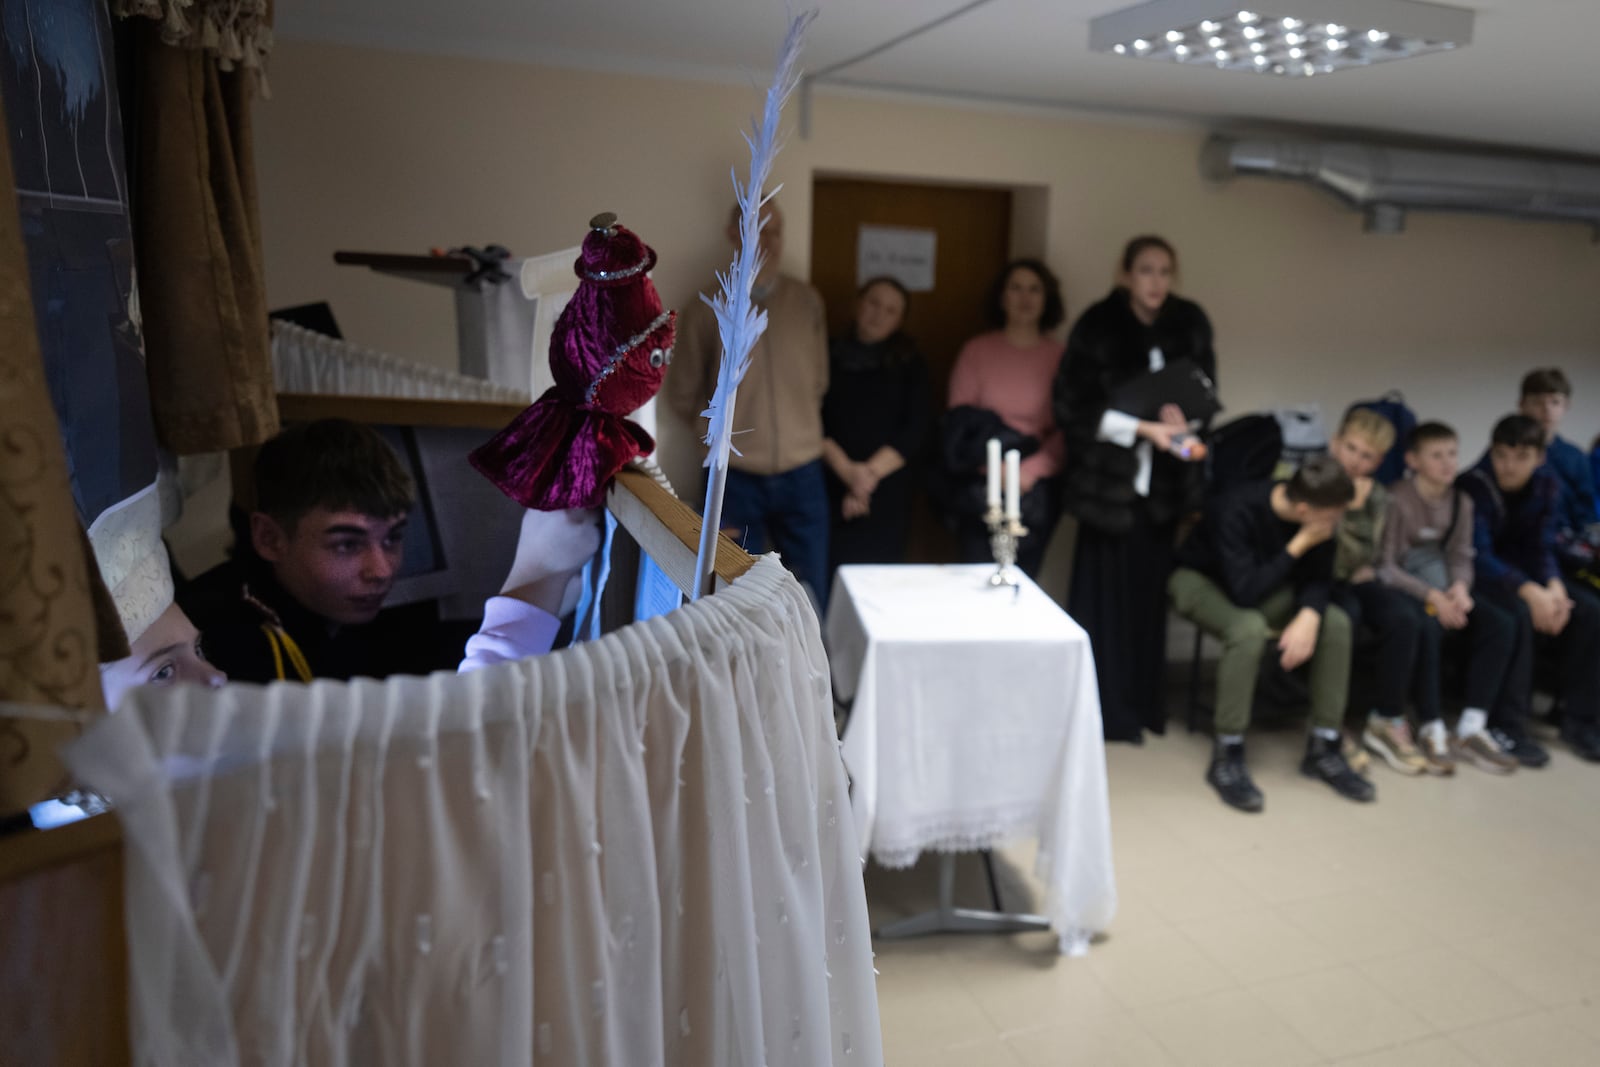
{"x":1007,"y":372}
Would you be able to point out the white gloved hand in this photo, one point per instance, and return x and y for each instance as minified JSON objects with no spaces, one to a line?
{"x":551,"y":551}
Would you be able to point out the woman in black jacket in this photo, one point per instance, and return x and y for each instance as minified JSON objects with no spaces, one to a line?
{"x":874,"y":420}
{"x":1129,"y":479}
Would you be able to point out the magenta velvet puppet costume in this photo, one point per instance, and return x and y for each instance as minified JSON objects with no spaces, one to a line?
{"x":609,"y":352}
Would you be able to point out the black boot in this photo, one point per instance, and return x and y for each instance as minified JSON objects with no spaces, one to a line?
{"x":1230,"y":777}
{"x":1324,"y":760}
{"x":1583,"y":738}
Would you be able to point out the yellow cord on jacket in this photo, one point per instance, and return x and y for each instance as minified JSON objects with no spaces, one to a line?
{"x":281,"y":644}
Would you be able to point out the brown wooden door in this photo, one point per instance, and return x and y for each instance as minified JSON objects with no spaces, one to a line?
{"x":973,"y":228}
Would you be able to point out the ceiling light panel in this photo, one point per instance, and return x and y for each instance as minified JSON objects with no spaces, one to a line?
{"x":1291,"y":38}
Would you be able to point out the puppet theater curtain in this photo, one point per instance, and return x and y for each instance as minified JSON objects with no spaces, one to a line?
{"x":51,"y":633}
{"x":634,"y":851}
{"x":193,"y":71}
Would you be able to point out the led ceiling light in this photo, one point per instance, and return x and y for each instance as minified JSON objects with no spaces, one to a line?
{"x":1278,"y":38}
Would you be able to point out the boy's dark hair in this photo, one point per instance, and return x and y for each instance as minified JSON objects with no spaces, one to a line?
{"x":1428,"y":432}
{"x":1055,"y":309}
{"x":1546,"y":380}
{"x":1322,"y":483}
{"x":334,"y":464}
{"x":1518,"y":431}
{"x":1143,"y":243}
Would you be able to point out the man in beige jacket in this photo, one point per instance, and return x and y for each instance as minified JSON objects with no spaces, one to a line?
{"x":775,"y":497}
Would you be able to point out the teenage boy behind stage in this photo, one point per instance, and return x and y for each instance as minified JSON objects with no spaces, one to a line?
{"x":302,"y":600}
{"x":1515,"y":499}
{"x":1261,"y":561}
{"x":1426,"y":556}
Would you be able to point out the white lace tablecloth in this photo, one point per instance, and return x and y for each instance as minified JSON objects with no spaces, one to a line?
{"x":975,"y":721}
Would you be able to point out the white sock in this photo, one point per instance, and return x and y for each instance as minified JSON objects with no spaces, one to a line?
{"x":1327,"y":733}
{"x":1435,"y":730}
{"x":1473,"y":721}
{"x":1231,"y":739}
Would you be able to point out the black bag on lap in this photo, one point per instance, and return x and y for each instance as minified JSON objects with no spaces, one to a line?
{"x":956,"y":483}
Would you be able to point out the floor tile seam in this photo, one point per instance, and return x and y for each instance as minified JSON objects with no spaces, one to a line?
{"x":1328,"y":969}
{"x":1447,"y":946}
{"x":1013,"y":1033}
{"x":1001,"y":1030}
{"x":1167,"y":1002}
{"x":1446,"y":1029}
{"x":1438,"y":1035}
{"x":1543,"y":1009}
{"x":1253,"y":983}
{"x":1180,"y":1055}
{"x":1411,"y":1012}
{"x":1266,"y":1008}
{"x":1538,"y":966}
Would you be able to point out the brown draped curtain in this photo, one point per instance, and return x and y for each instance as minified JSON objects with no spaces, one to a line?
{"x":52,"y":638}
{"x":197,"y":66}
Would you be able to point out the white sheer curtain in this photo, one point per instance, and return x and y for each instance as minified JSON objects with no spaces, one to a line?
{"x":635,"y":851}
{"x":307,"y":362}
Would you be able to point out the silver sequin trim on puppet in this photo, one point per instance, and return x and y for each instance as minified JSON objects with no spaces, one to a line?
{"x":612,"y":275}
{"x":624,"y":348}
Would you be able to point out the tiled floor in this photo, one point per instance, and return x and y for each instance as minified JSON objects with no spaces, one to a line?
{"x":1455,"y":921}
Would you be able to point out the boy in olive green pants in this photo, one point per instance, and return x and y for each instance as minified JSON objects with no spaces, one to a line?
{"x":1261,"y":563}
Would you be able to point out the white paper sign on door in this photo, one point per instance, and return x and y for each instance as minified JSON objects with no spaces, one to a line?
{"x":903,"y":254}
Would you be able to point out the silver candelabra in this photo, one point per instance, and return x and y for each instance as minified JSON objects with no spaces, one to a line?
{"x":1004,"y":535}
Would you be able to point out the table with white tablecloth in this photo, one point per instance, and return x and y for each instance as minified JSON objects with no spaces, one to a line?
{"x":974,"y":720}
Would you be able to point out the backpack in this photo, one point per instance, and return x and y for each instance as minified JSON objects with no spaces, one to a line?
{"x":1245,"y":449}
{"x":1392,"y":406}
{"x":1304,"y":433}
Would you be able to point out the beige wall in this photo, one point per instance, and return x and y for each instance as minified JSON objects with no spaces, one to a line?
{"x":383,"y":151}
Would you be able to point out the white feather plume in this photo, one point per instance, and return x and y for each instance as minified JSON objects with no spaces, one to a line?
{"x":739,"y":322}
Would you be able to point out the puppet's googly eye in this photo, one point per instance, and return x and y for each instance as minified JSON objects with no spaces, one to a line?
{"x":657,"y":357}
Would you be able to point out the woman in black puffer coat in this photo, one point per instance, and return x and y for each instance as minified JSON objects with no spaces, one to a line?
{"x":1125,"y":481}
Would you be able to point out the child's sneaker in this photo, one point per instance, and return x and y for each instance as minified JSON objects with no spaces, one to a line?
{"x":1433,"y":741}
{"x":1479,"y":749}
{"x":1392,"y":741}
{"x":1354,"y":754}
{"x":1515,"y":742}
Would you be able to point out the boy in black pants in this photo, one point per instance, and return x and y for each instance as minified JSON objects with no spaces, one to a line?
{"x":1514,"y":501}
{"x":1426,"y":556}
{"x":1396,"y":621}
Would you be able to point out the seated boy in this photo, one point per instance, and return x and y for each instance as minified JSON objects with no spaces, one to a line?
{"x":1262,"y":560}
{"x":1426,"y":556}
{"x":302,"y":601}
{"x":1395,"y":621}
{"x":1514,"y":501}
{"x":1546,"y":395}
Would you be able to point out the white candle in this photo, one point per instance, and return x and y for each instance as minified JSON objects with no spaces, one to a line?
{"x":993,"y":497}
{"x":1013,"y":484}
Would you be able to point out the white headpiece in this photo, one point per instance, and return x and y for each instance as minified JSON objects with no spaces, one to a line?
{"x":132,"y":559}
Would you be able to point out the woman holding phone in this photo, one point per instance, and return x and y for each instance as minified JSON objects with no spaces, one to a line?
{"x":1131,"y":475}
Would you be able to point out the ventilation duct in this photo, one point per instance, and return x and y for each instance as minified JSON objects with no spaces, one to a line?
{"x":1386,"y":182}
